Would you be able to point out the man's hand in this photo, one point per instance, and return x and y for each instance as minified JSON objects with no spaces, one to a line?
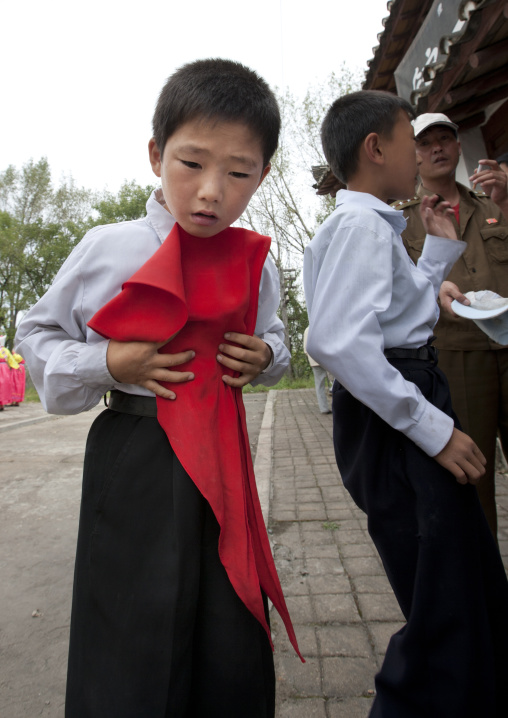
{"x":462,"y":458}
{"x":448,"y":292}
{"x":140,"y":363}
{"x":249,"y":359}
{"x":436,"y":216}
{"x":493,"y":181}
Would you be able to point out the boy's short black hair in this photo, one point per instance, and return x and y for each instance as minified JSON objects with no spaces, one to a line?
{"x":215,"y":89}
{"x":350,"y":119}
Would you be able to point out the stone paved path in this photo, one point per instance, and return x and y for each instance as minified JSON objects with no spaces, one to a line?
{"x":341,"y":603}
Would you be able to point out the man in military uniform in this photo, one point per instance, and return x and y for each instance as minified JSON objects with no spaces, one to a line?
{"x":476,"y":367}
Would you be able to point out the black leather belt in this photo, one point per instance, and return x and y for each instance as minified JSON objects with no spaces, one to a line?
{"x":132,"y":404}
{"x":425,"y":353}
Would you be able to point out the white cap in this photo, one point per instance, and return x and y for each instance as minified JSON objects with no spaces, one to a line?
{"x":428,"y":119}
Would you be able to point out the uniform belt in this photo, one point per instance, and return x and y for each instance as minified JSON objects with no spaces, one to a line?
{"x":425,"y":353}
{"x":132,"y":403}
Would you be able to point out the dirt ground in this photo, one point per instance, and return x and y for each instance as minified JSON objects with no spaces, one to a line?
{"x":40,"y":485}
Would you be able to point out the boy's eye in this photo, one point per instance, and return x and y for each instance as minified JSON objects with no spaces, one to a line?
{"x":239,"y":175}
{"x":192,"y":165}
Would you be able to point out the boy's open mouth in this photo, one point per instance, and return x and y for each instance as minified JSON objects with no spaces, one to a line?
{"x":204,"y":218}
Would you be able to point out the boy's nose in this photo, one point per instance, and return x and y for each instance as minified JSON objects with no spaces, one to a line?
{"x":211,"y":188}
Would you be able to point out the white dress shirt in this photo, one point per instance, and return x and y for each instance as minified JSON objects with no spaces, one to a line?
{"x":364,"y":295}
{"x":67,"y":359}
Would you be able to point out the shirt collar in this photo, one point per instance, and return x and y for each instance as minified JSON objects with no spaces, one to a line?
{"x":158,"y":216}
{"x":368,"y":201}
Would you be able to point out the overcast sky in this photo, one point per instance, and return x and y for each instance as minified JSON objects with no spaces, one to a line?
{"x":80,"y":80}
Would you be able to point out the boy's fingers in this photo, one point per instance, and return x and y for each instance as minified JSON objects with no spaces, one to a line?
{"x":238,"y":381}
{"x":244,"y":339}
{"x":164,"y":360}
{"x":231,"y":363}
{"x":176,"y":377}
{"x":159,"y":390}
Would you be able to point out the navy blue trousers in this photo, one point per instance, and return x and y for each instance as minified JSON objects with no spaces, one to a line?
{"x":450,"y":660}
{"x":157,"y":630}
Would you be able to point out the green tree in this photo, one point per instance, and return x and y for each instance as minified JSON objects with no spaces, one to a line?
{"x":129,"y":203}
{"x":285,"y":206}
{"x":39,"y":225}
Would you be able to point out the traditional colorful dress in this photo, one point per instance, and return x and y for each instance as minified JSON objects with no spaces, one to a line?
{"x":7,"y":367}
{"x":18,"y":379}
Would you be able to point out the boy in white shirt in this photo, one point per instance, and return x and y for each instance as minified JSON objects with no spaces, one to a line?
{"x":173,"y":563}
{"x":396,"y":438}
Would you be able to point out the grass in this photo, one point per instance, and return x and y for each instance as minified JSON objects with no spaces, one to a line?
{"x":31,"y":394}
{"x":304,"y":382}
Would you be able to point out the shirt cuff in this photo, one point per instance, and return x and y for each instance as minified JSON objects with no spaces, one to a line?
{"x":92,"y":368}
{"x":439,"y":249}
{"x":433,"y":431}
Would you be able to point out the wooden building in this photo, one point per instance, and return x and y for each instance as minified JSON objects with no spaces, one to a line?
{"x":449,"y":56}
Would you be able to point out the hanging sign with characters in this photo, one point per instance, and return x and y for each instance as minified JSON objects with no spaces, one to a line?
{"x":428,"y":48}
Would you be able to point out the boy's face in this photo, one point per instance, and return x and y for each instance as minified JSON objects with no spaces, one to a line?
{"x":439,"y":150}
{"x":209,"y":171}
{"x":400,"y":153}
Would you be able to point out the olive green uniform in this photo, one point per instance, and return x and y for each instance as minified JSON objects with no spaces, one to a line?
{"x":476,"y":367}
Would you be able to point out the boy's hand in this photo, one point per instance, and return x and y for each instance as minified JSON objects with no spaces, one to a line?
{"x":462,"y":458}
{"x":249,"y":359}
{"x":140,"y":363}
{"x":436,"y":216}
{"x":448,"y":292}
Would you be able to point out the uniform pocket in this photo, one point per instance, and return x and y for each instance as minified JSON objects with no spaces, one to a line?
{"x":496,"y":242}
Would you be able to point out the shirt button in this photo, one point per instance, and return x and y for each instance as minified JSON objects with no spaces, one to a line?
{"x":473,"y":270}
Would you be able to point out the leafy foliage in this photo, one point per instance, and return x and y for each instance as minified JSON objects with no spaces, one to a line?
{"x":285,"y":206}
{"x":40,"y":225}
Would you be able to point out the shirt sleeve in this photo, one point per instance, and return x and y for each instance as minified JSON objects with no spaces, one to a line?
{"x":269,"y":327}
{"x":70,"y":375}
{"x":347,"y":291}
{"x":438,"y":257}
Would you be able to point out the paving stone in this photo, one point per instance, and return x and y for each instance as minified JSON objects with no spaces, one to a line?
{"x":379,"y":607}
{"x":329,"y":584}
{"x":335,"y":607}
{"x":344,"y":641}
{"x":366,"y":566}
{"x":305,"y":635}
{"x":349,"y":708}
{"x":328,"y":571}
{"x":284,"y":514}
{"x":328,"y":551}
{"x":294,"y":678}
{"x":358,"y":549}
{"x":324,"y":566}
{"x":381,"y":634}
{"x":302,"y":708}
{"x":300,"y":609}
{"x":296,"y":586}
{"x":348,"y":677}
{"x":372,"y":584}
{"x":348,"y":536}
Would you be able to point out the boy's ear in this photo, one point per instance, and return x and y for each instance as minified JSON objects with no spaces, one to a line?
{"x":264,"y":173}
{"x":372,"y":146}
{"x":155,"y":157}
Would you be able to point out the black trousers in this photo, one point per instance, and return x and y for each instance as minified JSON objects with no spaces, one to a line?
{"x":157,"y":630}
{"x":450,"y":660}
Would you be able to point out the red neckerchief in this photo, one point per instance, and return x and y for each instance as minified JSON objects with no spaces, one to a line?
{"x":198,"y":289}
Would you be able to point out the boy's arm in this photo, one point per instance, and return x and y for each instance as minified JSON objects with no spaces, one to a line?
{"x":67,"y":361}
{"x":347,"y":289}
{"x":263,"y":358}
{"x":70,"y":375}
